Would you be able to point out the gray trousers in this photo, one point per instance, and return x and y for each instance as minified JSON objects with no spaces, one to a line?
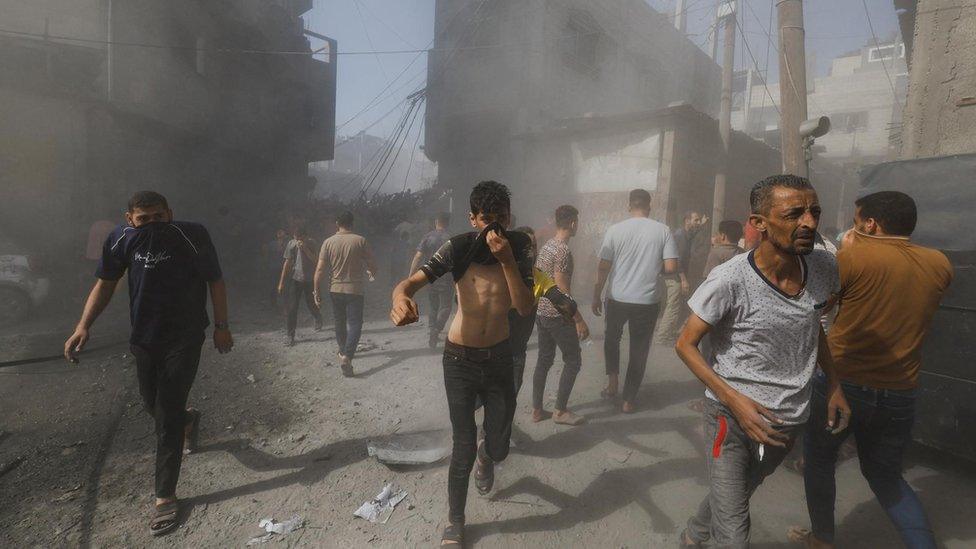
{"x":556,"y":332}
{"x":734,"y":473}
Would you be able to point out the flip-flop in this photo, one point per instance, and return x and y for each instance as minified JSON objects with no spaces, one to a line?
{"x":192,"y":440}
{"x":164,"y":519}
{"x":453,"y":536}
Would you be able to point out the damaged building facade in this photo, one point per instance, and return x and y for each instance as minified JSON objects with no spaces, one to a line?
{"x":506,"y":79}
{"x":111,"y":97}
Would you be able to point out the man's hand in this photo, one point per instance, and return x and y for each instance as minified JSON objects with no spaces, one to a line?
{"x":281,"y":289}
{"x":756,"y":420}
{"x":500,"y":247}
{"x":837,"y":405}
{"x":404,"y":311}
{"x":597,"y":306}
{"x":317,"y":297}
{"x":223,"y":341}
{"x":703,"y":221}
{"x":75,"y":344}
{"x":582,"y":330}
{"x":685,"y":287}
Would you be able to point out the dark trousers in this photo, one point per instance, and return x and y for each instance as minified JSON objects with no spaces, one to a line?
{"x":165,"y":375}
{"x":881,"y":422}
{"x":556,"y":332}
{"x":441,"y":298}
{"x":469,"y":375}
{"x":347,"y":309}
{"x":296,"y":292}
{"x":520,"y":330}
{"x":640,"y":320}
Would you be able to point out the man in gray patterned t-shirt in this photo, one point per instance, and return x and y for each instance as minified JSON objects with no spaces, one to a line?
{"x":762,"y":312}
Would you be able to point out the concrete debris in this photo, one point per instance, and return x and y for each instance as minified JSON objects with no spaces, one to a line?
{"x":250,"y":378}
{"x":411,"y":448}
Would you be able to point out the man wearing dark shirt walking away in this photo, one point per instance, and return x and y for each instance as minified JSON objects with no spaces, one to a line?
{"x":555,"y":330}
{"x":492,"y":270}
{"x":441,"y":292}
{"x":170,"y":265}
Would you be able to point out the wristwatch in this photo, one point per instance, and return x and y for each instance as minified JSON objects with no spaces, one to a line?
{"x":221,"y":326}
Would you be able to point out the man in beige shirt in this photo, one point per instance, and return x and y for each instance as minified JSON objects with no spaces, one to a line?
{"x":349,"y":260}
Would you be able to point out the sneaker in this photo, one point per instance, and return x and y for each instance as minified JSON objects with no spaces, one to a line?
{"x":433,"y":341}
{"x":346,"y":365}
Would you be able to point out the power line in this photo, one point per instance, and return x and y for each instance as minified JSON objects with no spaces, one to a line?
{"x":369,"y":39}
{"x":755,"y":63}
{"x":867,"y":14}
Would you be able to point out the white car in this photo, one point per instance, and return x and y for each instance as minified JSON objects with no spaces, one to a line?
{"x":22,"y":287}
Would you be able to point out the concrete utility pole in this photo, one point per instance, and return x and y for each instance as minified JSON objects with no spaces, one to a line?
{"x":680,"y":19}
{"x":725,"y":113}
{"x":792,"y":85}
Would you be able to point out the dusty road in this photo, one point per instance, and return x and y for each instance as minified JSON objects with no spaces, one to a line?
{"x":284,"y":433}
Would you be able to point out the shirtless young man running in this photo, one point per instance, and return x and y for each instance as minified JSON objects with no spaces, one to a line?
{"x":492,"y":271}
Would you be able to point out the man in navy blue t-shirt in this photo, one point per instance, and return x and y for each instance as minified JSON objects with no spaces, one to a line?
{"x":170,"y":265}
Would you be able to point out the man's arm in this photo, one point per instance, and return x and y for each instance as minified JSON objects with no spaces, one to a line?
{"x":602,"y":273}
{"x":404,"y":310}
{"x":320,"y":269}
{"x":564,"y":282}
{"x":285,"y":269}
{"x":836,"y":401}
{"x":672,"y":266}
{"x":754,"y":419}
{"x":98,"y":299}
{"x":520,"y":294}
{"x":223,"y":340}
{"x":415,"y":263}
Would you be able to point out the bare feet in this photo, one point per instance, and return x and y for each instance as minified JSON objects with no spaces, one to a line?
{"x":345,"y":364}
{"x":566,"y":417}
{"x":538,"y":414}
{"x":628,"y":407}
{"x":611,"y":389}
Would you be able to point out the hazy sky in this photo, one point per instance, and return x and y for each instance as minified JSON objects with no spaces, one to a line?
{"x":833,"y":27}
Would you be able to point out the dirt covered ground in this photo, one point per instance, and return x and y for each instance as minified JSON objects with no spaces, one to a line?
{"x":285,"y":434}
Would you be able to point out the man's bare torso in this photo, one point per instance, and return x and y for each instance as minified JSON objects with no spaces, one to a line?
{"x":483,"y":304}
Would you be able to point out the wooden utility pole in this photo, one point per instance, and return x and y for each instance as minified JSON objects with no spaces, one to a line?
{"x":792,"y":85}
{"x":725,"y":114}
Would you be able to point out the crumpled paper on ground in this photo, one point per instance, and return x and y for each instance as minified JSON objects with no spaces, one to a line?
{"x":277,"y":529}
{"x":381,"y":508}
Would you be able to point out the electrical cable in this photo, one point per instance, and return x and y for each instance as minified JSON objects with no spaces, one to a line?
{"x":877,"y":45}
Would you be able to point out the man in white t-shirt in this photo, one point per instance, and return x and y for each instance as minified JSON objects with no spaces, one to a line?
{"x":762,"y":313}
{"x":634,"y":253}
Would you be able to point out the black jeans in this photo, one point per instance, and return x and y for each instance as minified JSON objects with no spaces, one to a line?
{"x":441,"y":297}
{"x":347,"y":309}
{"x":556,"y":331}
{"x":165,"y":375}
{"x":640,"y":320}
{"x":296,"y":292}
{"x":471,"y":374}
{"x":881,"y":421}
{"x":520,"y":330}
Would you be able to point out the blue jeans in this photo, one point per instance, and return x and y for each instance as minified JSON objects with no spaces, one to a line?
{"x":348,"y":312}
{"x":882,"y":426}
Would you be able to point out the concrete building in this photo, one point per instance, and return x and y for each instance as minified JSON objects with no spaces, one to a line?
{"x":940,"y":113}
{"x":505,"y":68}
{"x":99,"y":98}
{"x":863,"y":94}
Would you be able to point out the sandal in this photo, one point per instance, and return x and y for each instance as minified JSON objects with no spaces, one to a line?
{"x":484,"y":472}
{"x":453,"y":536}
{"x":164,"y":518}
{"x":192,"y":439}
